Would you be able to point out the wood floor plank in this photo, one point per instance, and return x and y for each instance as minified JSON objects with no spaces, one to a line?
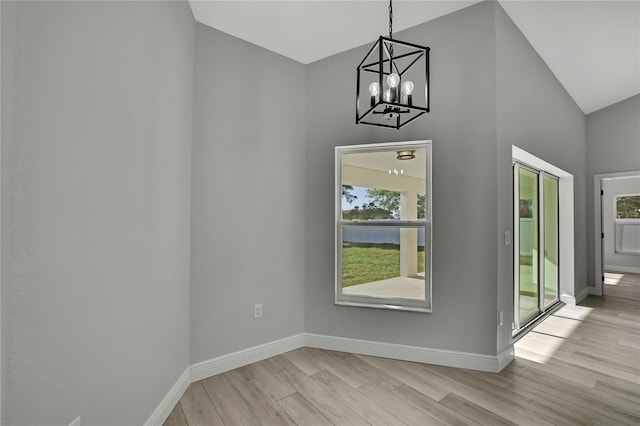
{"x":360,"y":404}
{"x":538,"y":347}
{"x":395,"y":368}
{"x":493,"y":378}
{"x":303,"y":361}
{"x":607,"y":324}
{"x":302,"y":412}
{"x":397,"y":406}
{"x":228,"y":402}
{"x":495,"y":405}
{"x":612,"y":303}
{"x":624,"y":363}
{"x":626,"y":324}
{"x":368,"y":371}
{"x":270,"y":381}
{"x":596,"y":346}
{"x":557,"y":386}
{"x":582,"y":414}
{"x":606,"y":368}
{"x":534,"y":407}
{"x":557,"y":326}
{"x":263,"y":407}
{"x":548,"y":400}
{"x":622,"y":285}
{"x":573,"y":373}
{"x":198,"y":408}
{"x":473,"y":411}
{"x":439,"y":411}
{"x":330,"y":361}
{"x":628,"y":343}
{"x":325,"y":402}
{"x":620,"y":389}
{"x":609,"y":413}
{"x":176,"y":417}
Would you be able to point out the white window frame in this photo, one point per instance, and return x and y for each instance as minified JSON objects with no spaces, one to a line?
{"x":620,"y":224}
{"x":400,"y":304}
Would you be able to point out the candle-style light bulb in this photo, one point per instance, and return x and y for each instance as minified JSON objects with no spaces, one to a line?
{"x":407,"y":91}
{"x":393,"y":80}
{"x":374,"y":91}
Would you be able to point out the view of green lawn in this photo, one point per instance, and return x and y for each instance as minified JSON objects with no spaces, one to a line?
{"x":365,"y":263}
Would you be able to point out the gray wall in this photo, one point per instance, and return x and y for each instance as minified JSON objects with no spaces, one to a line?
{"x":248,"y":221}
{"x":96,"y":152}
{"x":462,"y":126}
{"x":613,"y":145}
{"x":535,"y":113}
{"x":613,"y":138}
{"x":106,"y":216}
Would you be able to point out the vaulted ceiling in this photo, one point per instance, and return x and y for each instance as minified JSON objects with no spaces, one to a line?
{"x":592,"y":47}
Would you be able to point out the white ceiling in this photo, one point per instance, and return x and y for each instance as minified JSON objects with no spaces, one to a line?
{"x":592,"y":47}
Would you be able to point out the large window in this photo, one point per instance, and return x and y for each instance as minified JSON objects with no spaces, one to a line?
{"x":383,"y":225}
{"x":627,"y":224}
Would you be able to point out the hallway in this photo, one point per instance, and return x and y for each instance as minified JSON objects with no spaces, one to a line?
{"x":622,"y":285}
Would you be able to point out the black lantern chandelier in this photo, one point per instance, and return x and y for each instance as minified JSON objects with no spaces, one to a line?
{"x":396,"y":76}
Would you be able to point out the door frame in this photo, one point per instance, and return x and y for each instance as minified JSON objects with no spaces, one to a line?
{"x":543,"y":307}
{"x":566,"y":227}
{"x":598,"y":225}
{"x":543,"y":246}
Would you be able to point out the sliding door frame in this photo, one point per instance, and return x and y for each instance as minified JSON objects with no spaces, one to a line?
{"x":518,"y":324}
{"x":545,"y":306}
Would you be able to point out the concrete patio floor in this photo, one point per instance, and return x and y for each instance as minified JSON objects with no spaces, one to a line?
{"x":398,"y":287}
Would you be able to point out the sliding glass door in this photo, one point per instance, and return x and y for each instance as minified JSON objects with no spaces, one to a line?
{"x":527,"y":272}
{"x":536,"y":243}
{"x":550,"y":223}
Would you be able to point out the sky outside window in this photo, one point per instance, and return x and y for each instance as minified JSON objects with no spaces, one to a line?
{"x":361,"y":193}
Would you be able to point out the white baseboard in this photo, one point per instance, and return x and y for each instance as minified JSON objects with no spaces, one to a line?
{"x":594,"y":291}
{"x":505,"y":357}
{"x":228,"y":362}
{"x":224,"y":363}
{"x":614,"y":268}
{"x":406,"y":353}
{"x":568,"y":299}
{"x":221,"y":364}
{"x":583,"y":293}
{"x":170,"y":400}
{"x":573,"y":300}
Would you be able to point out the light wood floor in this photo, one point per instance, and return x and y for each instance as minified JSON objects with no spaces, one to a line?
{"x":592,"y":377}
{"x":621,"y":284}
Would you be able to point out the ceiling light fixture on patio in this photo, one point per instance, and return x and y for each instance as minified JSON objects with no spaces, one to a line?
{"x":391,"y":72}
{"x":406,"y":155}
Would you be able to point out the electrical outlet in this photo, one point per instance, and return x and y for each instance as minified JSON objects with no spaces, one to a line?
{"x":76,"y":422}
{"x":501,"y":317}
{"x":257,"y":310}
{"x":507,"y":238}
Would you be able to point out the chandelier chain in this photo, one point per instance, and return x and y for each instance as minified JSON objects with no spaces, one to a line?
{"x":391,"y":35}
{"x":390,"y":19}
